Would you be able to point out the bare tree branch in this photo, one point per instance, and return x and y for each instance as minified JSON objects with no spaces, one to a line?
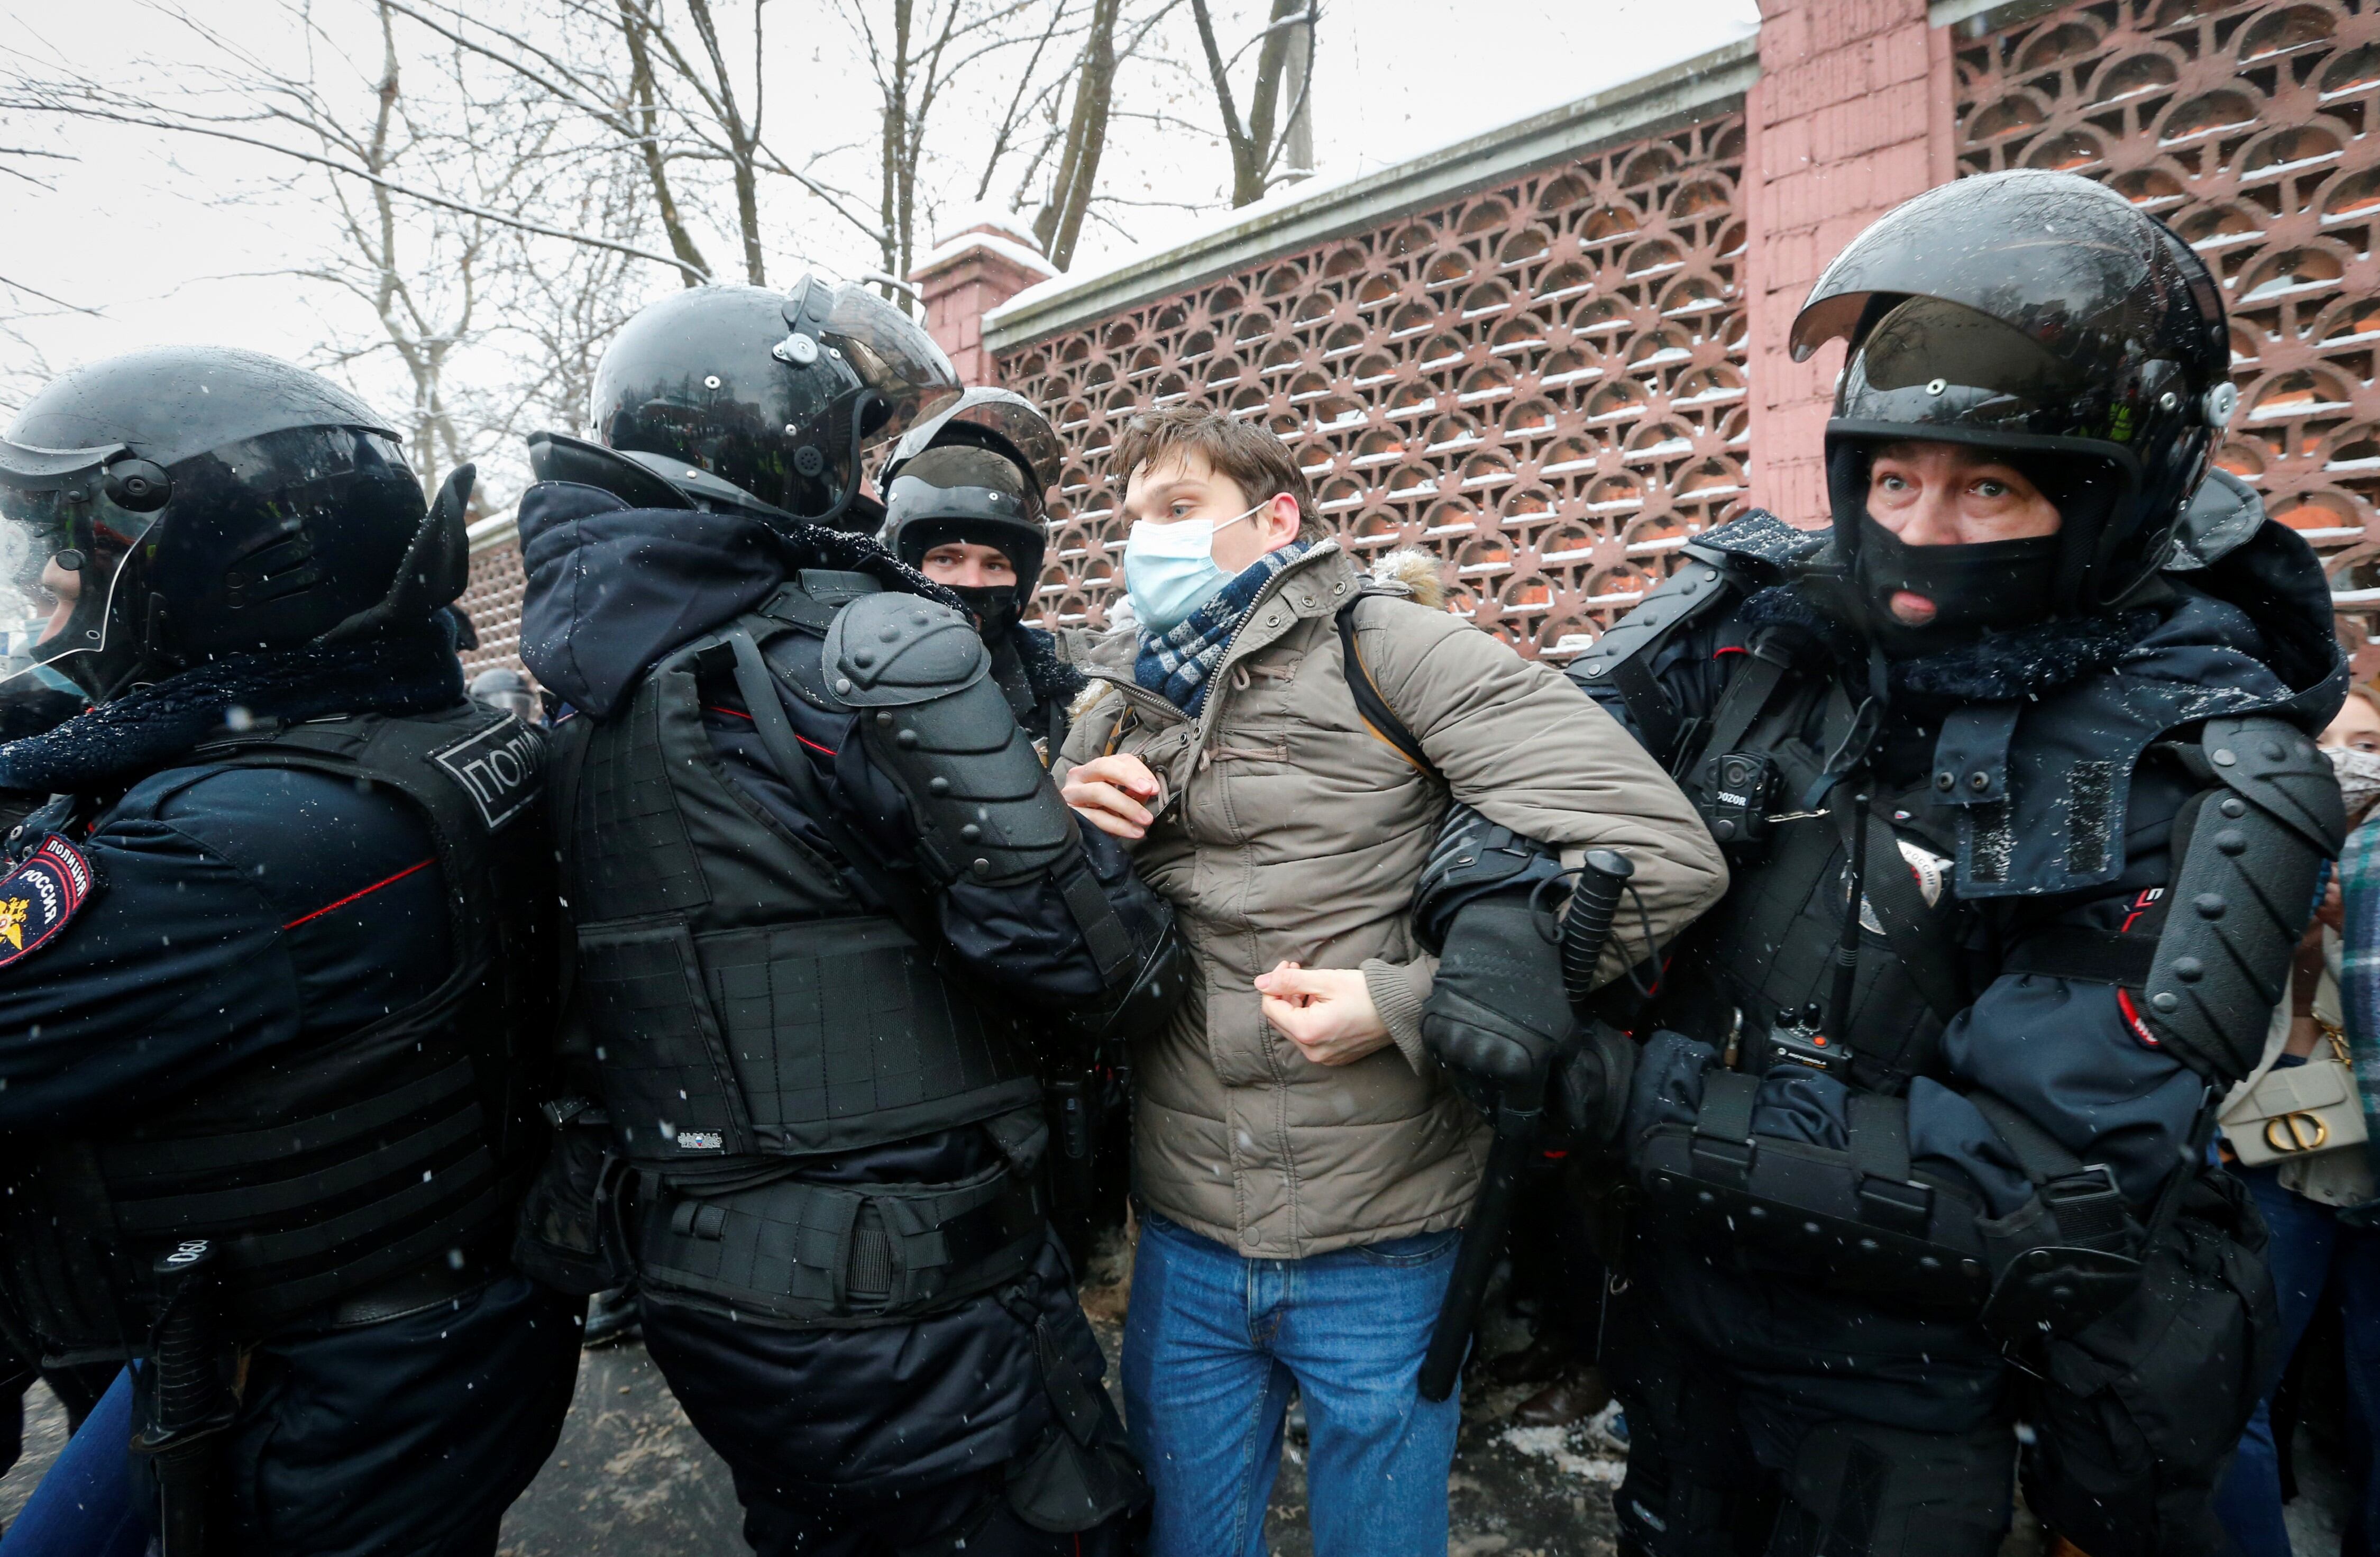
{"x":92,"y":110}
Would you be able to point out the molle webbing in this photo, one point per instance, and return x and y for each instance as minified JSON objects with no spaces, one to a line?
{"x":324,"y":1205}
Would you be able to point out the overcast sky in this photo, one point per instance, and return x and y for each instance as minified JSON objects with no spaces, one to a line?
{"x":170,"y":242}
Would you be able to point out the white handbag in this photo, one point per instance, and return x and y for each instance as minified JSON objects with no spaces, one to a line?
{"x":2300,"y":1111}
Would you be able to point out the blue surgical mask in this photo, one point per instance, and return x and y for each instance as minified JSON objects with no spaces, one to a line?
{"x":1169,"y":569}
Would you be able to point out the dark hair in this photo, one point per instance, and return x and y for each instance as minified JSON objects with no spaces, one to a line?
{"x":1252,"y":456}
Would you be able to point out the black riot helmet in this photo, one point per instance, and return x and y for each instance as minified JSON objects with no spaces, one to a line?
{"x":746,"y":399}
{"x":976,"y":472}
{"x":2041,"y":317}
{"x":172,"y":505}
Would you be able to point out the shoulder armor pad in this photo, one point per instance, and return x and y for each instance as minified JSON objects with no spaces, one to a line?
{"x":1697,"y":588}
{"x":888,"y":651}
{"x":1720,"y":568}
{"x":2272,"y":763}
{"x":933,"y":721}
{"x":2241,"y":892}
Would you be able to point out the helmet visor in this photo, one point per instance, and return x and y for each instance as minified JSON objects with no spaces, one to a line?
{"x":2067,"y":260}
{"x":1006,"y":415}
{"x":893,"y":356}
{"x":1935,"y":367}
{"x":62,"y":547}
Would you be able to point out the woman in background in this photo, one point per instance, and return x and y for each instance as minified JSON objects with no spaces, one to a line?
{"x":2320,"y":1203}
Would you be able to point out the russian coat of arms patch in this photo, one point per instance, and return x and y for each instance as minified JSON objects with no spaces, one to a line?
{"x":40,"y":897}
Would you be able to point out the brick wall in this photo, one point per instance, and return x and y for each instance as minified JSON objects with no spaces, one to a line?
{"x":1851,"y":116}
{"x":1552,"y":380}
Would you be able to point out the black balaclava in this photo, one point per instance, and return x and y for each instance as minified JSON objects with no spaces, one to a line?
{"x":993,"y":605}
{"x":1981,"y":587}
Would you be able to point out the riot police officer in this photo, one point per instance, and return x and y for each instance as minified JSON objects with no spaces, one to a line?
{"x":2013,"y":770}
{"x":274,"y":948}
{"x":963,"y":504}
{"x":830,"y":914}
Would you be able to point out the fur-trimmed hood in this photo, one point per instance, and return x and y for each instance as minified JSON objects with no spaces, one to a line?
{"x":1417,"y":572}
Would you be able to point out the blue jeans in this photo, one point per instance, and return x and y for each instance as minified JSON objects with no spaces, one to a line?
{"x":1211,"y":1344}
{"x":84,"y":1506}
{"x":2310,"y":1248}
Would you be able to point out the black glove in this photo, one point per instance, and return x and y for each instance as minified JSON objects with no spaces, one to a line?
{"x":1496,"y":1013}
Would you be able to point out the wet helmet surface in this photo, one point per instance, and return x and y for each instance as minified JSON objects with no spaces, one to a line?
{"x":774,"y":395}
{"x":175,"y":505}
{"x":2042,"y":317}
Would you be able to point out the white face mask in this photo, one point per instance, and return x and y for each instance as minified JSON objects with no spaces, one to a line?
{"x":1170,"y":570}
{"x":2358,"y":777}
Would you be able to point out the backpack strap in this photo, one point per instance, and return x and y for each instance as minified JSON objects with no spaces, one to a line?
{"x":1370,"y":702}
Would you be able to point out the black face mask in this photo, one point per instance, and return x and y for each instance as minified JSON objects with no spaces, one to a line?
{"x":993,"y":606}
{"x":1987,"y":586}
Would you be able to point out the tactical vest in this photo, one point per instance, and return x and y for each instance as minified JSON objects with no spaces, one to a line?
{"x":1753,"y":979}
{"x":750,"y":1012}
{"x":348,"y":1181}
{"x":1767,"y":951}
{"x":1754,"y":976}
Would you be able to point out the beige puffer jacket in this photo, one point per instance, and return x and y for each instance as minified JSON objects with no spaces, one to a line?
{"x":1289,"y":832}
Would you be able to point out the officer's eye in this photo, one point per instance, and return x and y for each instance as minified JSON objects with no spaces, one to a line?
{"x":1988,"y":487}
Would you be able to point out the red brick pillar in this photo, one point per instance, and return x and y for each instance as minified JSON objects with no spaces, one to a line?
{"x":1852,"y":113}
{"x":968,"y":275}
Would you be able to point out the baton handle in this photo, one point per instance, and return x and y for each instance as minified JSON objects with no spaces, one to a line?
{"x":191,"y":1403}
{"x":1586,"y":924}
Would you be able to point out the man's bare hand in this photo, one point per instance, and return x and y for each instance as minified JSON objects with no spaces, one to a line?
{"x":1115,"y":794}
{"x":1326,"y":1012}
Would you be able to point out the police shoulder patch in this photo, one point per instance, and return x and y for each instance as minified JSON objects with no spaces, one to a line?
{"x":40,"y":897}
{"x":500,"y":767}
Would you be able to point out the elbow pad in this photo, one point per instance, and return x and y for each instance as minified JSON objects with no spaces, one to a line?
{"x":2243,"y":891}
{"x":1143,"y":988}
{"x":933,"y":721}
{"x":1473,"y":858}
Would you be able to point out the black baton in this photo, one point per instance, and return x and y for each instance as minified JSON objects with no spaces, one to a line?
{"x":190,"y":1401}
{"x":1075,"y":1097}
{"x":1520,"y":1112}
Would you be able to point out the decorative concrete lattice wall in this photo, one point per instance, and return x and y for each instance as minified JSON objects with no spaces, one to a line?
{"x":1543,"y":381}
{"x":492,"y":596}
{"x":2250,"y":129}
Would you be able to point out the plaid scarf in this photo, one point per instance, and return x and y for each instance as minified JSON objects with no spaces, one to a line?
{"x":2359,"y":975}
{"x":1178,"y":662}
